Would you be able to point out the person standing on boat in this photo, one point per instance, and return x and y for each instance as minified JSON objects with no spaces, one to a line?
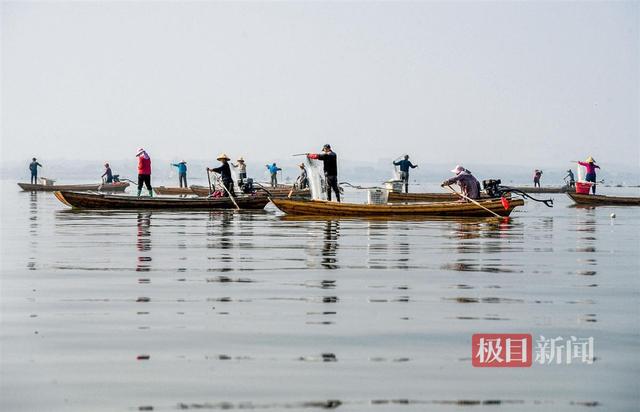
{"x":225,"y":174}
{"x":537,"y":174}
{"x":405,"y":164}
{"x":572,"y":179}
{"x":242,"y":170}
{"x":302,"y":182}
{"x":33,"y":167}
{"x":273,"y":169}
{"x":469,"y":185}
{"x":182,"y":172}
{"x":107,"y":176}
{"x":144,"y":171}
{"x":591,"y":166}
{"x":330,"y":162}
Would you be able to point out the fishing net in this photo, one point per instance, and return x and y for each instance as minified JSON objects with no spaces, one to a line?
{"x":234,"y":173}
{"x":315,"y":175}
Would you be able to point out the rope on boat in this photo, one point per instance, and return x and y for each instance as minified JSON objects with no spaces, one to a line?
{"x":358,"y":186}
{"x":506,"y":189}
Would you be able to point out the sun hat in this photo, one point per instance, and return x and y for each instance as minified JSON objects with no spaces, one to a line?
{"x":301,"y":165}
{"x":590,"y":160}
{"x":458,"y":169}
{"x":223,"y":156}
{"x":140,"y":151}
{"x":241,"y":159}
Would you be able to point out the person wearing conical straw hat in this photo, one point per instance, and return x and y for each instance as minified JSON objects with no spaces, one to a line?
{"x":591,"y":166}
{"x":182,"y":172}
{"x":469,"y":185}
{"x":242,"y":170}
{"x":225,"y":173}
{"x":302,"y":182}
{"x":144,"y":171}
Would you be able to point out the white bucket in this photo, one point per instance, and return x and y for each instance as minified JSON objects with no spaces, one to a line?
{"x":394,"y":185}
{"x":46,"y":181}
{"x":377,"y":196}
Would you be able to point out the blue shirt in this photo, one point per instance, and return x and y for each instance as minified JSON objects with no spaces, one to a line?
{"x":404,"y":165}
{"x":273,"y":169}
{"x":182,"y":167}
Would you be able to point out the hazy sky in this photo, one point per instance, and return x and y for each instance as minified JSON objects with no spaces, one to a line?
{"x":487,"y":82}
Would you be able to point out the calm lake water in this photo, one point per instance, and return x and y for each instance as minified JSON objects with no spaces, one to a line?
{"x":125,"y":311}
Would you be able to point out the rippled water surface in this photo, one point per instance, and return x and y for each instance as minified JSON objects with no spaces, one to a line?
{"x":206,"y":311}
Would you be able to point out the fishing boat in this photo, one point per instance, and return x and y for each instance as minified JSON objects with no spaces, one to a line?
{"x":458,"y":209}
{"x":163,"y":190}
{"x":79,"y":200}
{"x":97,"y":187}
{"x":276,"y":193}
{"x":395,"y":197}
{"x":600,"y":200}
{"x":548,"y":189}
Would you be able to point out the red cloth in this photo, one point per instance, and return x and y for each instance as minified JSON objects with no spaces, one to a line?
{"x":144,"y":164}
{"x":312,"y":156}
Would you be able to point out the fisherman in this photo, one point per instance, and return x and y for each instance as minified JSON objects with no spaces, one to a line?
{"x":469,"y":185}
{"x":537,"y":174}
{"x":572,"y":180}
{"x":107,"y":176}
{"x":242,"y":170}
{"x":330,"y":162}
{"x":144,"y":171}
{"x":182,"y":172}
{"x":33,"y":167}
{"x":591,"y":166}
{"x":302,"y":182}
{"x":225,"y":174}
{"x":273,"y":169}
{"x":404,"y":171}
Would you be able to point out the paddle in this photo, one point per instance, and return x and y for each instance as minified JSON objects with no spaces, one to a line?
{"x":209,"y":178}
{"x":229,"y":193}
{"x":474,"y":202}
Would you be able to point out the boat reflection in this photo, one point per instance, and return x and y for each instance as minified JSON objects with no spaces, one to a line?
{"x":143,"y":242}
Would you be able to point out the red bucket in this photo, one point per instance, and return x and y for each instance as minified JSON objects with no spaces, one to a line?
{"x":583,"y":187}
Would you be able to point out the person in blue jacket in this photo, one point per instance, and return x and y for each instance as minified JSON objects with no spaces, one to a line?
{"x":405,"y":164}
{"x":273,"y":169}
{"x":182,"y":172}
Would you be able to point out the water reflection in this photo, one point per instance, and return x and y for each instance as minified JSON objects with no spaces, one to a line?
{"x":143,"y":242}
{"x":330,"y":244}
{"x":33,"y":231}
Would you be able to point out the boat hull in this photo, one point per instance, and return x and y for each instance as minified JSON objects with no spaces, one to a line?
{"x":175,"y":191}
{"x":277,"y":193}
{"x":106,"y":187}
{"x":99,"y":201}
{"x":440,"y":209}
{"x":531,"y":189}
{"x":395,"y":197}
{"x":599,"y":200}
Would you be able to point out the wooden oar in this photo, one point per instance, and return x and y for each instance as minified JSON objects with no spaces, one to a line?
{"x":474,"y":202}
{"x":209,"y":178}
{"x":229,"y":193}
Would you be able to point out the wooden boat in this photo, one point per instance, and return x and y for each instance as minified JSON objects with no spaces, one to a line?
{"x":97,"y":187}
{"x":277,"y":193}
{"x":548,"y":189}
{"x":395,"y":197}
{"x":162,"y":190}
{"x":458,"y":209}
{"x":80,"y":200}
{"x":600,"y":200}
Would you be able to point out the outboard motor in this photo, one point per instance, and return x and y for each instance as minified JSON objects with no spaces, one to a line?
{"x":492,"y":187}
{"x":247,"y":187}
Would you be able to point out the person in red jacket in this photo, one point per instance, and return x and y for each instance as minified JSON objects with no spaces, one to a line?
{"x":144,"y":171}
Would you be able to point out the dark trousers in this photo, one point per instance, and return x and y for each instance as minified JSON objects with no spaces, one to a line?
{"x":332,"y":183}
{"x":404,"y":176}
{"x":274,"y":179}
{"x":229,"y":185}
{"x":536,"y":182}
{"x":182,"y":177}
{"x":591,"y":177}
{"x":34,"y":178}
{"x":144,"y":179}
